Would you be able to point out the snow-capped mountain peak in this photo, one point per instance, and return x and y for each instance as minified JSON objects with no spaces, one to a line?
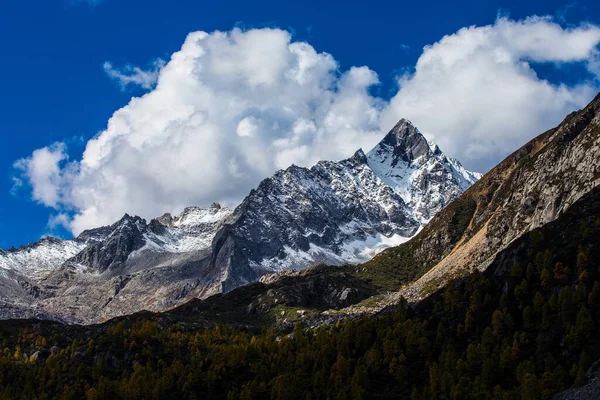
{"x":404,"y":143}
{"x":336,"y":212}
{"x":418,"y":170}
{"x":339,"y":212}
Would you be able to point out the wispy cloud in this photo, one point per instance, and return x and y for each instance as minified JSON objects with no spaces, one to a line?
{"x":561,"y":14}
{"x":17,"y":185}
{"x":132,"y":75}
{"x":92,"y":3}
{"x":60,"y":220}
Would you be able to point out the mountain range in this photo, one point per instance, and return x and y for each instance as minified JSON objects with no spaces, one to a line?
{"x":333,"y":213}
{"x":531,"y":188}
{"x":495,"y":295}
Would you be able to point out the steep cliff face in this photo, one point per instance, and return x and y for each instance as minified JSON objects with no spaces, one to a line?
{"x":126,"y":236}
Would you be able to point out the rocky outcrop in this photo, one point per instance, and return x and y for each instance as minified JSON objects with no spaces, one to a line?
{"x":127,"y":236}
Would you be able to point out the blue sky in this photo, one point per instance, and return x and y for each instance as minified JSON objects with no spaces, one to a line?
{"x":55,"y":89}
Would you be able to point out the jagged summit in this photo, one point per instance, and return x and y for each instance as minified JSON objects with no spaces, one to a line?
{"x":126,"y":219}
{"x":339,"y":212}
{"x":418,"y":170}
{"x":405,"y":141}
{"x":359,"y":157}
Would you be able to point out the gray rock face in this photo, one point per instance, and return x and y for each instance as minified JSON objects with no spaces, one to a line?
{"x":406,"y":142}
{"x":126,"y":236}
{"x":114,"y":270}
{"x":333,"y":213}
{"x":302,"y":216}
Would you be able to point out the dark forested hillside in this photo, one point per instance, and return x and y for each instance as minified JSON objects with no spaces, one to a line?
{"x":524,"y":329}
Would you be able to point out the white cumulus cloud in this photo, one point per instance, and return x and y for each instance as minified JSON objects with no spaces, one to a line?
{"x":230,"y":108}
{"x":476,"y":92}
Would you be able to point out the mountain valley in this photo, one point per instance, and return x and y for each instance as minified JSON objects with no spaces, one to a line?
{"x":497,"y":296}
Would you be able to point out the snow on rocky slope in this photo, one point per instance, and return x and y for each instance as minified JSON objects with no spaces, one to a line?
{"x":418,"y":171}
{"x":39,"y":258}
{"x":338,"y":212}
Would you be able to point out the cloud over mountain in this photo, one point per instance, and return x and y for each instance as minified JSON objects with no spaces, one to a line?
{"x":230,"y":108}
{"x":476,"y":92}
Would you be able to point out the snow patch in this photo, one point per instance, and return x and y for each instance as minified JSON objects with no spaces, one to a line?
{"x":192,"y":230}
{"x":359,"y":251}
{"x":39,"y":259}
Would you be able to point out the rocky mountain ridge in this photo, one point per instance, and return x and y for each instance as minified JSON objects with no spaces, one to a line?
{"x":553,"y":175}
{"x":530,"y":188}
{"x":338,"y":212}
